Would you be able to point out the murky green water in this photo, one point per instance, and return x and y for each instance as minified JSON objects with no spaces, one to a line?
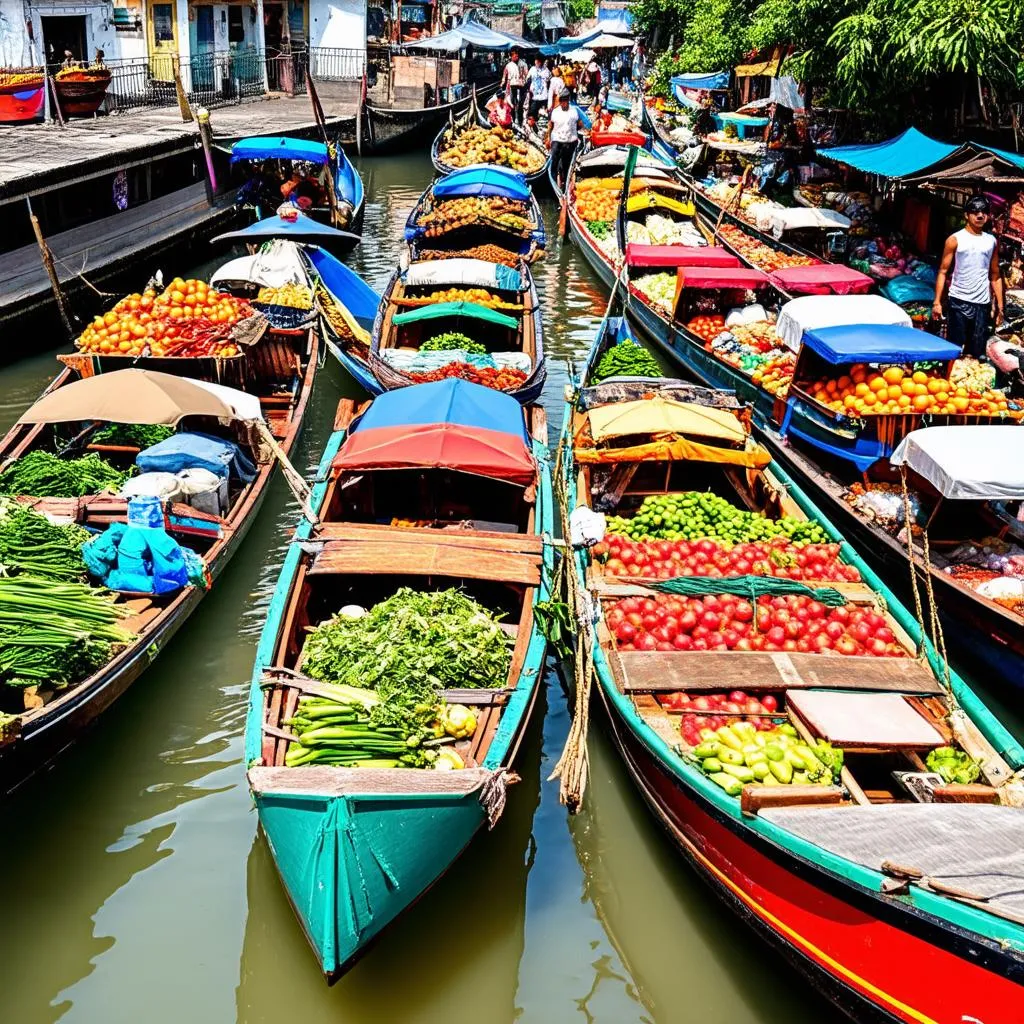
{"x":137,"y":890}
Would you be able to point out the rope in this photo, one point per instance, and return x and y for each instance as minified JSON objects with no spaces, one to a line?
{"x":296,"y":483}
{"x":751,"y":587}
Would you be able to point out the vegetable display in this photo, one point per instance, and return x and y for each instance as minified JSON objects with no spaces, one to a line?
{"x":495,"y":145}
{"x":724,"y":622}
{"x":296,"y":296}
{"x":713,"y":710}
{"x":33,"y":546}
{"x":600,"y":229}
{"x":453,"y":340}
{"x":626,"y":359}
{"x":658,"y":288}
{"x":663,"y":559}
{"x":597,"y":199}
{"x":137,"y":435}
{"x":45,"y":475}
{"x":955,"y":766}
{"x":506,"y":379}
{"x":188,"y":318}
{"x":759,"y":254}
{"x":775,"y":374}
{"x":691,"y":515}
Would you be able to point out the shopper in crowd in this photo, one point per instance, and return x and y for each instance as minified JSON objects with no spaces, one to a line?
{"x":555,"y":88}
{"x":591,"y":78}
{"x":513,"y":80}
{"x":563,"y":136}
{"x":970,"y":262}
{"x":539,"y":80}
{"x":501,"y":111}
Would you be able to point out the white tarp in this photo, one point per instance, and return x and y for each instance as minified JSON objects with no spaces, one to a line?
{"x":280,"y":264}
{"x":780,"y":219}
{"x":810,"y":312}
{"x":243,"y":405}
{"x":983,"y":463}
{"x":463,"y":272}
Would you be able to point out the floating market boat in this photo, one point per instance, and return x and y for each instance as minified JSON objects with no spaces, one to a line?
{"x":338,"y":179}
{"x":433,"y":487}
{"x":456,"y":144}
{"x":881,"y":849}
{"x":384,"y":130}
{"x":277,"y":373}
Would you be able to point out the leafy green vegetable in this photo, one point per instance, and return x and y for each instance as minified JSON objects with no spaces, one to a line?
{"x":139,"y":435}
{"x":31,"y":545}
{"x":954,"y":765}
{"x":45,"y":475}
{"x":453,"y":340}
{"x":627,"y":359}
{"x":600,"y":229}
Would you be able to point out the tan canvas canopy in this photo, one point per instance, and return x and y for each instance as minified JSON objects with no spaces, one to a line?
{"x":130,"y":396}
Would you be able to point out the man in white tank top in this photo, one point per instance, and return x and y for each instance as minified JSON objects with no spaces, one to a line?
{"x":975,"y":286}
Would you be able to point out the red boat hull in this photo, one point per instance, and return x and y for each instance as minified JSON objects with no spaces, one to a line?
{"x":876,"y":957}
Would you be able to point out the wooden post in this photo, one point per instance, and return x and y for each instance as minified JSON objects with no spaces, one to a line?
{"x":51,"y":272}
{"x":51,"y":87}
{"x":332,"y":165}
{"x":179,"y":89}
{"x":206,"y":138}
{"x":360,"y":114}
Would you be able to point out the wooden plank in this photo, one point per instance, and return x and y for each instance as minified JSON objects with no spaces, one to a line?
{"x":387,"y":556}
{"x":658,"y":719}
{"x":323,"y":780}
{"x":661,"y":671}
{"x":491,"y":540}
{"x":852,"y":720}
{"x":845,"y":775}
{"x":762,"y":798}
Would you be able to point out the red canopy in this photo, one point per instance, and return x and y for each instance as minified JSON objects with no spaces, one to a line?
{"x":721,"y":277}
{"x":617,"y":138}
{"x":822,"y":279}
{"x":678,"y":256}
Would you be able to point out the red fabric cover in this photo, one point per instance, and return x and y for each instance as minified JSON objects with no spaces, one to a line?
{"x":617,"y":139}
{"x":721,"y":277}
{"x":678,"y":256}
{"x":490,"y":453}
{"x":822,"y":279}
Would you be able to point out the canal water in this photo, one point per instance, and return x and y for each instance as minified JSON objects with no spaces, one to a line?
{"x":137,"y":889}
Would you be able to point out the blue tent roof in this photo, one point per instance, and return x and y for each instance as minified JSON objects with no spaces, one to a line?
{"x":279,"y":147}
{"x":345,"y":285}
{"x":483,"y":181}
{"x":905,"y":154}
{"x":696,"y":80}
{"x":471,"y":32}
{"x":877,"y":343}
{"x":1017,"y":159}
{"x":299,"y":230}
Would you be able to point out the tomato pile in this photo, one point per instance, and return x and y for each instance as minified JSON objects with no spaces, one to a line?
{"x":714,"y":710}
{"x":663,"y":559}
{"x":507,"y":379}
{"x":708,"y":326}
{"x":188,"y":318}
{"x":723,"y":622}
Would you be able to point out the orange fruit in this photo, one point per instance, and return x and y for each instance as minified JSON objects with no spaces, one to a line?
{"x":861,"y":389}
{"x":920,"y":377}
{"x":961,"y":402}
{"x":903,"y":401}
{"x":876,"y":384}
{"x":921,"y":402}
{"x":920,"y":389}
{"x":907,"y":386}
{"x":892,"y":375}
{"x":843,"y":382}
{"x":849,"y":402}
{"x":934,"y":386}
{"x":942,"y":397}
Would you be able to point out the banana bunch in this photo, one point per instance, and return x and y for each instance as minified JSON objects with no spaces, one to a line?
{"x":296,"y":296}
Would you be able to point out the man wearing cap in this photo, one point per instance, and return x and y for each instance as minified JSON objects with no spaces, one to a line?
{"x":513,"y":78}
{"x":975,"y":285}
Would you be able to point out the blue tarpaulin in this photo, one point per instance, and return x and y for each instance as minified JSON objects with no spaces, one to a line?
{"x":196,"y":451}
{"x":483,"y":181}
{"x":877,"y":343}
{"x":905,"y":154}
{"x":345,"y":285}
{"x":471,"y":33}
{"x":279,"y":147}
{"x":697,"y":80}
{"x":302,"y":229}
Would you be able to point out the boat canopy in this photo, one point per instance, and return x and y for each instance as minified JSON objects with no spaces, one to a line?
{"x":345,"y":285}
{"x":907,"y":153}
{"x":702,"y":80}
{"x":809,"y":312}
{"x":977,"y":463}
{"x":464,"y":272}
{"x":447,"y":424}
{"x":141,"y":396}
{"x":659,"y":415}
{"x":624,"y":138}
{"x":721,"y":277}
{"x":679,"y":256}
{"x":471,"y":33}
{"x":301,"y":229}
{"x":483,"y":181}
{"x":279,"y":147}
{"x":878,"y":343}
{"x":822,"y":279}
{"x":438,"y":310}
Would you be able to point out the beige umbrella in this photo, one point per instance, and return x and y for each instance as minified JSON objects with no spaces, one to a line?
{"x":129,"y":396}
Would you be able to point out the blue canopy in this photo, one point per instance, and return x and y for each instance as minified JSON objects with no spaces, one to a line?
{"x":905,"y":154}
{"x":345,"y":285}
{"x":1017,"y":159}
{"x":279,"y":147}
{"x":302,"y":229}
{"x":471,"y":32}
{"x":483,"y":181}
{"x":878,"y":343}
{"x":696,"y":80}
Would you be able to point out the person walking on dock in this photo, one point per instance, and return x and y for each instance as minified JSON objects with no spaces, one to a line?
{"x":975,"y":285}
{"x":539,"y":77}
{"x":513,"y":80}
{"x":562,"y":138}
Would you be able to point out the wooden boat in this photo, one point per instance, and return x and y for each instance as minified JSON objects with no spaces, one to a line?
{"x":349,"y":198}
{"x":277,"y":373}
{"x":341,"y":836}
{"x":498,"y":309}
{"x":81,"y":91}
{"x":866,"y":890}
{"x":385,"y":130}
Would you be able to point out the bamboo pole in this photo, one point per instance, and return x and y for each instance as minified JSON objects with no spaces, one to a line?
{"x":332,"y":165}
{"x":179,"y":90}
{"x":51,"y":272}
{"x":206,"y":138}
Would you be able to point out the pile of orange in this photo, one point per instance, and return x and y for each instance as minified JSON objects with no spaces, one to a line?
{"x":146,"y":323}
{"x":897,"y":391}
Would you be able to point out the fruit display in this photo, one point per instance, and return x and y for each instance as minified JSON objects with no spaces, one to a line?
{"x":707,"y":326}
{"x":598,"y":198}
{"x":658,"y":229}
{"x":487,"y":253}
{"x":600,"y":229}
{"x":713,"y":710}
{"x":188,"y":318}
{"x":493,"y":145}
{"x":25,"y":79}
{"x":897,"y":390}
{"x":658,"y":288}
{"x":974,"y":375}
{"x":775,"y":374}
{"x":724,"y":622}
{"x":694,"y":515}
{"x":738,"y":755}
{"x":453,"y":341}
{"x":480,"y":296}
{"x":760,"y":254}
{"x":664,"y":559}
{"x":452,"y":214}
{"x":627,"y":359}
{"x":295,"y":296}
{"x":506,"y":379}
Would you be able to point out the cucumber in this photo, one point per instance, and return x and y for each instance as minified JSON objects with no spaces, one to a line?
{"x":782,"y":770}
{"x":732,"y":786}
{"x":711,"y":765}
{"x":729,"y":756}
{"x":739,"y":771}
